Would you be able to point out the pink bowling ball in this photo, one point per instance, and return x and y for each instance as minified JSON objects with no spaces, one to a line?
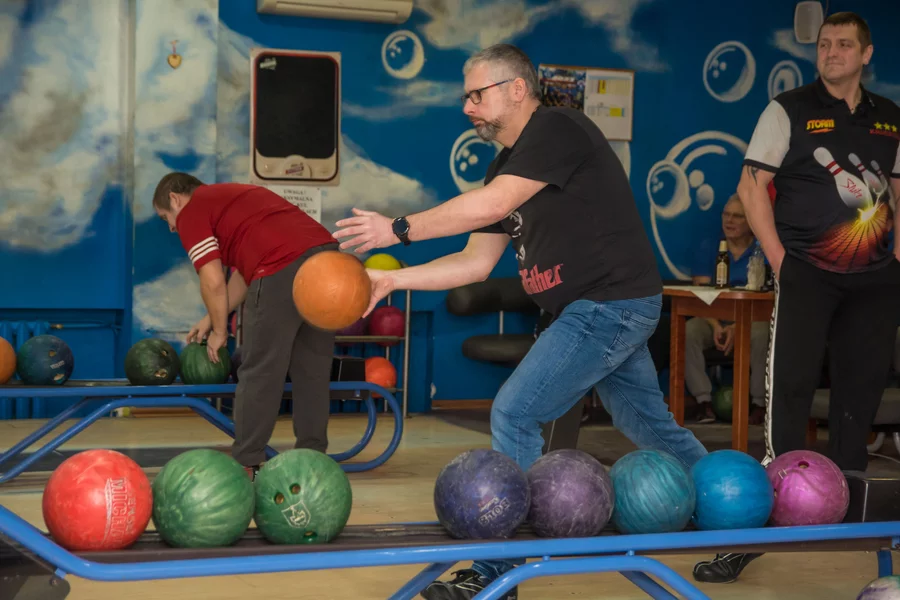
{"x":387,"y":321}
{"x":809,"y":490}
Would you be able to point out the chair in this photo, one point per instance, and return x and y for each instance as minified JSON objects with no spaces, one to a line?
{"x":500,"y":295}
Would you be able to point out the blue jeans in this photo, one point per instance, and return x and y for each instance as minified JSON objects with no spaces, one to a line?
{"x":590,"y":344}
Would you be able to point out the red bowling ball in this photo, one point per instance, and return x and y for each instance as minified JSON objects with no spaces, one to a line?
{"x":97,"y":500}
{"x":387,"y":321}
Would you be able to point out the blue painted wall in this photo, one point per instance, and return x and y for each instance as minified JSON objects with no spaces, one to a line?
{"x":94,"y":115}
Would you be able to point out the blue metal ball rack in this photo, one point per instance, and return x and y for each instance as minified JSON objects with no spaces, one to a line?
{"x":396,"y":544}
{"x":115,"y":393}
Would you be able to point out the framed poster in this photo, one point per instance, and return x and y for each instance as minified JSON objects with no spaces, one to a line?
{"x":606,"y":96}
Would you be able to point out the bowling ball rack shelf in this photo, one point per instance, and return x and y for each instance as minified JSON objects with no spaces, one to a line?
{"x":107,"y":395}
{"x":30,"y":560}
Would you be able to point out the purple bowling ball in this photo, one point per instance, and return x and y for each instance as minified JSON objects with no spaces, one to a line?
{"x":571,"y":495}
{"x":883,"y":588}
{"x":360,"y":327}
{"x":809,"y":489}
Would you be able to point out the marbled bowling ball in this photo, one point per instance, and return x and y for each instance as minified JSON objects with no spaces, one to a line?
{"x":481,"y":494}
{"x":883,"y":588}
{"x":571,"y":495}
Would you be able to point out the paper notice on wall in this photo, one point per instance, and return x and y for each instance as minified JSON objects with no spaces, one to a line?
{"x":608,"y":100}
{"x":306,"y":198}
{"x":606,"y":96}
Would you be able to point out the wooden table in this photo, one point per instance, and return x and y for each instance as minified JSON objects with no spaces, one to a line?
{"x":743,"y":308}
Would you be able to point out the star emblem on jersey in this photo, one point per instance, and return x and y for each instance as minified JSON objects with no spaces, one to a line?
{"x":888,"y":129}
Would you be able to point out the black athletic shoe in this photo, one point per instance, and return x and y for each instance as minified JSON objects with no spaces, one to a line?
{"x":724,"y":568}
{"x":252,"y":471}
{"x":464,"y":586}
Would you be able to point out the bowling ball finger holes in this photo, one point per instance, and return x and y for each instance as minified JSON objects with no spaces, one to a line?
{"x":279,"y":497}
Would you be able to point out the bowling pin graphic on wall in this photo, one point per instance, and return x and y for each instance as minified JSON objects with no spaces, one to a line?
{"x":852,"y":190}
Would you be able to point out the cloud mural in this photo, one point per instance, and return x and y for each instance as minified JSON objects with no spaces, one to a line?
{"x":175,"y":109}
{"x":60,"y":125}
{"x":784,"y":40}
{"x":462,"y":25}
{"x":407,"y":100}
{"x":472,"y":25}
{"x":167,"y":307}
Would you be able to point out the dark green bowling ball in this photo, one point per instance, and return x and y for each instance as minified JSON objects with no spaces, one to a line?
{"x":722,"y":402}
{"x":302,"y":497}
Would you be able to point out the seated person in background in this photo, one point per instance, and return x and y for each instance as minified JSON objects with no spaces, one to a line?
{"x":702,"y":334}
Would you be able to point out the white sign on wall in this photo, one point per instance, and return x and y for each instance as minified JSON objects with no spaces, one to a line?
{"x":308,"y":199}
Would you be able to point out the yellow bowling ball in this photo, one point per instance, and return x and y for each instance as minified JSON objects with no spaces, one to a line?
{"x":382,"y":262}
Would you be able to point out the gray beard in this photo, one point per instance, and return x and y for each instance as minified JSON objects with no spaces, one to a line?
{"x":488,"y":130}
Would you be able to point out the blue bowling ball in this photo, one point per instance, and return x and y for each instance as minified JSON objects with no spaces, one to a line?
{"x":733,"y":491}
{"x":653,"y":493}
{"x":481,"y":494}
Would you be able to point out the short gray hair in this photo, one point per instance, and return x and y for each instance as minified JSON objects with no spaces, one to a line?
{"x":507,"y":62}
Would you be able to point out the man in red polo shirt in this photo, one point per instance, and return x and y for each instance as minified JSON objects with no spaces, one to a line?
{"x":265,"y":239}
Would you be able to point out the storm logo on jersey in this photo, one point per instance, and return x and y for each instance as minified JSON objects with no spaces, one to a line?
{"x":535,"y":280}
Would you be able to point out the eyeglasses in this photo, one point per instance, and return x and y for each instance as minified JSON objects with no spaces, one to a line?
{"x":475,"y":95}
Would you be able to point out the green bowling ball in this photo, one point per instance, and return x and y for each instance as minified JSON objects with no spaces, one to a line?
{"x":722,"y":402}
{"x":302,"y":497}
{"x":202,"y":498}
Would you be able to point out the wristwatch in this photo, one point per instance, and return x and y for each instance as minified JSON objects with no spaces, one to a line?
{"x":401,"y":229}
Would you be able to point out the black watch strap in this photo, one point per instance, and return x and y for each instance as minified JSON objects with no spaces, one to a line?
{"x":400,"y":227}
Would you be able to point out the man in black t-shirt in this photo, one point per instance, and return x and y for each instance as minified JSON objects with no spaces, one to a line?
{"x":560,"y":193}
{"x":830,"y":146}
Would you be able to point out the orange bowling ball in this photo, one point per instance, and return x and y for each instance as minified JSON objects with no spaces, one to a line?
{"x":380,"y":371}
{"x":332,"y":290}
{"x":7,"y":361}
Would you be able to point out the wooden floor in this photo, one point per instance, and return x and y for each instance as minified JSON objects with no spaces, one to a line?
{"x":401,"y":491}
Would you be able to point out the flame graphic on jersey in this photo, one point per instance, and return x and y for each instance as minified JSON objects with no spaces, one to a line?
{"x":856,"y":243}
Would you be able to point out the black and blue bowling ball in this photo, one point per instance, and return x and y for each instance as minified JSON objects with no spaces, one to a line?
{"x":733,"y":491}
{"x":571,"y":495}
{"x":481,"y":494}
{"x":44,"y":360}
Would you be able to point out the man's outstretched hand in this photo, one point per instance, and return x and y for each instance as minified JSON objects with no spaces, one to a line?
{"x":382,"y":285}
{"x":368,"y":228}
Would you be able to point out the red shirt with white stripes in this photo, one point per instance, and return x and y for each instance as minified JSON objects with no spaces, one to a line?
{"x":248,"y":227}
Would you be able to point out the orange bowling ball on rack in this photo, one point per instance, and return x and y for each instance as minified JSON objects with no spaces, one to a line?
{"x":7,"y":361}
{"x":332,"y":290}
{"x":380,"y":371}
